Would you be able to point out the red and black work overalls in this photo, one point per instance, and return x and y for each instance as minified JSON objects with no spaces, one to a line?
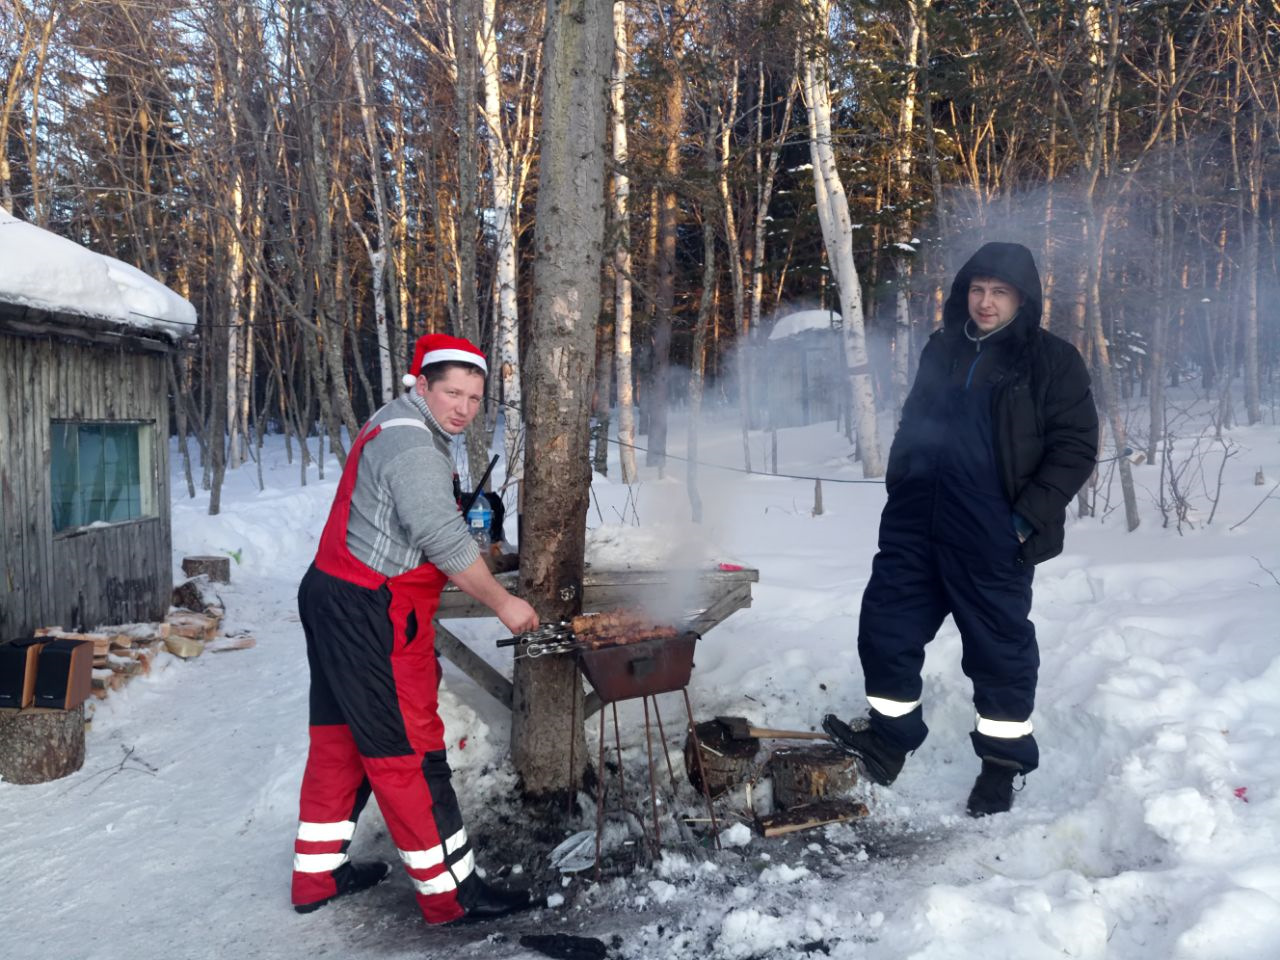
{"x":374,"y":719}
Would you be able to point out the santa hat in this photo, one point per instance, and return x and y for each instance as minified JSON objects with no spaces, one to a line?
{"x":439,"y":348}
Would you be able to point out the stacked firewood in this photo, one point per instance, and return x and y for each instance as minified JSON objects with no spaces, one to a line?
{"x":124,"y":651}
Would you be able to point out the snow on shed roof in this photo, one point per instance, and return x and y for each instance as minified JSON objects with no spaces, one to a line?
{"x":42,"y":270}
{"x":802,"y":321}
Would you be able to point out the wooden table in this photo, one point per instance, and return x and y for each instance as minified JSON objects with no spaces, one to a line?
{"x":720,"y":593}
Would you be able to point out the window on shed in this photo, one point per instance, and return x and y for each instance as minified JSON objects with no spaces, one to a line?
{"x":101,"y":472}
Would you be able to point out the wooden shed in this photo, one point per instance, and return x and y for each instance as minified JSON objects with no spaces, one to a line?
{"x":804,"y":378}
{"x":84,"y":435}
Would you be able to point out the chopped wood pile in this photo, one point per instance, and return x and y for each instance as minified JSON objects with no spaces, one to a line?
{"x":124,"y":651}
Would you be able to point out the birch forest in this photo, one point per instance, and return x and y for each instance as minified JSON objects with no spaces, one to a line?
{"x":326,"y":180}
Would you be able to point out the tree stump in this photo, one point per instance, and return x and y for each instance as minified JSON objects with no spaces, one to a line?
{"x":727,"y":762}
{"x":803,"y":775}
{"x":217,"y":569}
{"x":37,"y":746}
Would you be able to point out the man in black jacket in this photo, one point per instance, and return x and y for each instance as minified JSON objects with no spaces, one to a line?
{"x":998,"y":434}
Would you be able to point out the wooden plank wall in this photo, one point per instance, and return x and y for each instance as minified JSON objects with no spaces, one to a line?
{"x":114,"y":574}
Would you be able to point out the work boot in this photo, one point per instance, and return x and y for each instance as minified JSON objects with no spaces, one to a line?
{"x":880,"y":760}
{"x":490,"y":903}
{"x":351,"y":878}
{"x":993,"y":790}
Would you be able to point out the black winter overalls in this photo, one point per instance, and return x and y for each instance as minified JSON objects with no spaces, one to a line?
{"x":948,"y":546}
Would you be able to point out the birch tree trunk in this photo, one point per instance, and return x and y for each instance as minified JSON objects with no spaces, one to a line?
{"x":902,"y":351}
{"x":837,"y":236}
{"x":622,"y":250}
{"x":377,"y":251}
{"x":500,"y":171}
{"x":568,"y":240}
{"x":235,"y":321}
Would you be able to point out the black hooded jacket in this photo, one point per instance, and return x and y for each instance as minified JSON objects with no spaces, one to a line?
{"x":1043,"y":417}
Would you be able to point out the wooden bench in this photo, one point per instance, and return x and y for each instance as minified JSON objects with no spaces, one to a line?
{"x":719,"y":592}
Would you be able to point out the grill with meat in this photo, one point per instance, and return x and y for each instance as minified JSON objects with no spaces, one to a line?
{"x":617,"y":627}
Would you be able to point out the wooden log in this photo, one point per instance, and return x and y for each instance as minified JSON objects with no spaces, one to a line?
{"x":803,"y":775}
{"x":37,"y":746}
{"x":101,"y":641}
{"x":105,"y":678}
{"x":196,"y":626}
{"x":225,"y":644}
{"x":726,"y":762}
{"x":810,"y":815}
{"x":139,"y":632}
{"x":217,"y":569}
{"x":124,"y":666}
{"x":184,"y":647}
{"x":198,"y":594}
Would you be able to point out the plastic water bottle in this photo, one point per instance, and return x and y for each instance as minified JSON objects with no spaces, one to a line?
{"x":479,"y":521}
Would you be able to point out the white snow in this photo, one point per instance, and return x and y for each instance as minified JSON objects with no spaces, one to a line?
{"x":802,"y":321}
{"x":1151,"y":831}
{"x":41,"y":269}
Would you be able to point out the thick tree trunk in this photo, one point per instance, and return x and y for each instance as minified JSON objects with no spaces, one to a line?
{"x":37,"y":746}
{"x":568,"y":240}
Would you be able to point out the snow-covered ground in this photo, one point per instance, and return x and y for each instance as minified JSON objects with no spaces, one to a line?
{"x":1151,"y":831}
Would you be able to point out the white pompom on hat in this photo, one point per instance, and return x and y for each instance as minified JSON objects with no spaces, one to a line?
{"x":439,"y":348}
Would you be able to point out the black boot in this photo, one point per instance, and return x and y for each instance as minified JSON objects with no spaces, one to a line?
{"x":351,"y":878}
{"x":993,"y":790}
{"x":490,"y":903}
{"x":880,"y":760}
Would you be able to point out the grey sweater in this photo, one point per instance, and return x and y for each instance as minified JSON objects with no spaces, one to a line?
{"x":402,"y":509}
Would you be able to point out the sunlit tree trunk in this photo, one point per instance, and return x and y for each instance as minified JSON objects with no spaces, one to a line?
{"x":622,"y":249}
{"x":500,"y":163}
{"x":568,"y":246}
{"x":905,"y":260}
{"x":837,"y":235}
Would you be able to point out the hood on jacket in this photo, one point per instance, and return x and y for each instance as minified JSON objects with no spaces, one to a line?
{"x":1010,"y":262}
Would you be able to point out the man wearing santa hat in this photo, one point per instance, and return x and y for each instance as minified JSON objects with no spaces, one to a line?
{"x":394,"y":537}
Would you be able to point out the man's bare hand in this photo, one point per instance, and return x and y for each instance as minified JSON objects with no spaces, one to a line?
{"x":516,"y":615}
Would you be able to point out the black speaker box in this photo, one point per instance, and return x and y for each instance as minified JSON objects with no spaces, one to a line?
{"x":18,"y":672}
{"x":64,"y":675}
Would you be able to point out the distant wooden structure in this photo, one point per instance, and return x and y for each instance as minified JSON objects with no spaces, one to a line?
{"x":803,"y":379}
{"x":82,"y":543}
{"x":84,"y":434}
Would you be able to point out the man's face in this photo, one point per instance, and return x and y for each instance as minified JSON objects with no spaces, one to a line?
{"x":454,"y":400}
{"x":992,"y":303}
